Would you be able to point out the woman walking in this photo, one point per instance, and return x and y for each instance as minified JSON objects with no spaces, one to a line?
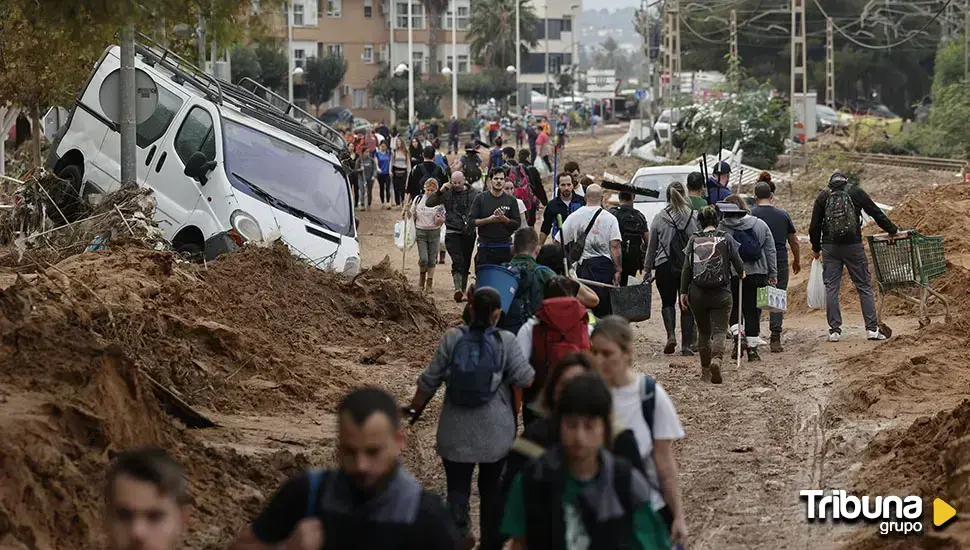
{"x":756,"y":247}
{"x":400,"y":168}
{"x":669,"y":233}
{"x":705,"y":288}
{"x":384,"y":175}
{"x":480,"y":365}
{"x":427,"y":224}
{"x":367,"y":169}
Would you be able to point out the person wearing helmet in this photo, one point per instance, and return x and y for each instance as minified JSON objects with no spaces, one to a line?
{"x":717,"y":185}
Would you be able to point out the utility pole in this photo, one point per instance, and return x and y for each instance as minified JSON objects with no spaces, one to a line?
{"x":518,"y":57}
{"x":410,"y":64}
{"x":127,"y":107}
{"x":829,"y":64}
{"x":390,"y":55}
{"x":545,"y":20}
{"x":966,"y":41}
{"x":671,"y":49}
{"x":734,"y":52}
{"x":799,"y":74}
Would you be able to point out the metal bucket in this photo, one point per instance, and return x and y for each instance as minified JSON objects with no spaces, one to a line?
{"x":632,"y":302}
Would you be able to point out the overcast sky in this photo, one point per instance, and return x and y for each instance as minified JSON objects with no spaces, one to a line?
{"x":610,"y":4}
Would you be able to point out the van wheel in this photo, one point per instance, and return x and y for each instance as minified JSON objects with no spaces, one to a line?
{"x":191,"y":252}
{"x":68,"y":196}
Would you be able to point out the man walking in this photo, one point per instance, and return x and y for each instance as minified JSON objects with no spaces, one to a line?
{"x":422,"y":172}
{"x":458,"y":198}
{"x":635,"y":233}
{"x":782,"y":232}
{"x":453,"y":130}
{"x":562,"y":206}
{"x":836,"y":234}
{"x":370,"y":501}
{"x":533,"y":135}
{"x":717,"y":185}
{"x":601,"y":259}
{"x":496,"y":215}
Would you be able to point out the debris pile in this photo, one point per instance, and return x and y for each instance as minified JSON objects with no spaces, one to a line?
{"x":89,"y":342}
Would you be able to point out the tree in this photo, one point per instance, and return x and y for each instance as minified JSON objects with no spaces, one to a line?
{"x":610,"y":56}
{"x":390,"y":91}
{"x":565,"y":84}
{"x":322,"y":76}
{"x":491,"y":31}
{"x":493,"y":83}
{"x":274,"y":65}
{"x":433,"y":10}
{"x":245,"y":63}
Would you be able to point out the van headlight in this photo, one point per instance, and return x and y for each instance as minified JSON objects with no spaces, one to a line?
{"x":246,"y":226}
{"x":352,"y":267}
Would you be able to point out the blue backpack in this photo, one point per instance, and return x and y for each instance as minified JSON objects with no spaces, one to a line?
{"x":750,"y":249}
{"x":475,"y":362}
{"x":528,"y":297}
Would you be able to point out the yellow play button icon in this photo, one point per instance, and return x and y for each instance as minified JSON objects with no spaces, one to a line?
{"x":942,"y":512}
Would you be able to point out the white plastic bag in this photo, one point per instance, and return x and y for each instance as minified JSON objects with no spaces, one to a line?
{"x":399,"y":237}
{"x":443,"y":230}
{"x":541,"y":166}
{"x":816,"y":286}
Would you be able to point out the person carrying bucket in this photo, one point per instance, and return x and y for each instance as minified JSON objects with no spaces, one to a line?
{"x":480,"y":364}
{"x":496,"y":216}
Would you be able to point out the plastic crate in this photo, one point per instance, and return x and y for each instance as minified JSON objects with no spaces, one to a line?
{"x":908,"y":260}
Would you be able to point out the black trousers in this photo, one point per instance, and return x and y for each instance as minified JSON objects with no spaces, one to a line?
{"x":460,"y":247}
{"x":488,"y":255}
{"x":632,"y":263}
{"x":400,"y":177}
{"x":601,"y":270}
{"x":458,"y":476}
{"x":384,"y":187}
{"x":749,"y":303}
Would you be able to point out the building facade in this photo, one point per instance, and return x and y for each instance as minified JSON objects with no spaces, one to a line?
{"x":361,"y":31}
{"x":561,"y":42}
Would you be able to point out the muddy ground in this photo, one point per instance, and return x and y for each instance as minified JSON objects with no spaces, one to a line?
{"x":265,"y":347}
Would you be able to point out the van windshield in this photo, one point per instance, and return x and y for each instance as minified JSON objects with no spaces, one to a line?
{"x":656,"y":182}
{"x":290,"y":175}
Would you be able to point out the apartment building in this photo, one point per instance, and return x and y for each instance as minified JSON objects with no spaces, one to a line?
{"x":361,"y":31}
{"x":562,"y":44}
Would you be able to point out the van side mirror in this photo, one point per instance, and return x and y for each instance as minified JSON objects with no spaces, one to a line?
{"x":198,"y":167}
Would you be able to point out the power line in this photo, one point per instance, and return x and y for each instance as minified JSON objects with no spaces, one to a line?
{"x":912,"y":34}
{"x":698,"y":35}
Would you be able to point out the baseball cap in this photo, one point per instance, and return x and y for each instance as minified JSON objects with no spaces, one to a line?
{"x":762,"y":190}
{"x":727,"y":208}
{"x":722,"y":168}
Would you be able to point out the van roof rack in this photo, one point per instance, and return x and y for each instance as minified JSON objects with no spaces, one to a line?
{"x":253,"y":99}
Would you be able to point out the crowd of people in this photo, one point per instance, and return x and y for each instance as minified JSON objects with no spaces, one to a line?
{"x":573,"y":447}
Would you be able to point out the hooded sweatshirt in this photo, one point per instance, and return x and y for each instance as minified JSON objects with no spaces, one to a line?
{"x":819,"y":233}
{"x":768,"y":263}
{"x":662,"y":230}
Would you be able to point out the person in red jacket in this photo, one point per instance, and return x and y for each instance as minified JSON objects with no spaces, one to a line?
{"x":559,"y":328}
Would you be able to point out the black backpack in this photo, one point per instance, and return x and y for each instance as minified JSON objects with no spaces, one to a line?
{"x":677,"y":250}
{"x":632,"y":227}
{"x":750,"y":246}
{"x":470,"y":169}
{"x":841,"y":217}
{"x":710,"y":260}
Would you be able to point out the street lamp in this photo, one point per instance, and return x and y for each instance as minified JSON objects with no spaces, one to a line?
{"x":298,"y":71}
{"x":511,"y":69}
{"x":518,"y":54}
{"x":400,"y":69}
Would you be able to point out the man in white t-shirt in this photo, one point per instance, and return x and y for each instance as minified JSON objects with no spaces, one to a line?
{"x":612,"y":345}
{"x":602,"y":259}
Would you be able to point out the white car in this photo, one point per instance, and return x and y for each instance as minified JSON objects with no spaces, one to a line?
{"x":226,"y":166}
{"x":656,"y":178}
{"x":667,"y":120}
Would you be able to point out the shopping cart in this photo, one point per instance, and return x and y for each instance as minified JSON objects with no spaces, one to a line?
{"x":906,"y":261}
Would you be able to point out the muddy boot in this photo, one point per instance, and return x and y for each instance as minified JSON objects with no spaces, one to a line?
{"x":775,"y":344}
{"x":753,"y":349}
{"x":669,"y":315}
{"x":705,"y":373}
{"x":421,"y":278}
{"x":716,"y":370}
{"x":686,"y":333}
{"x":429,"y":285}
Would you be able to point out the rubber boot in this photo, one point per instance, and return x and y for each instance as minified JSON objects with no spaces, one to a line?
{"x":458,"y":280}
{"x":669,"y":315}
{"x":775,"y":344}
{"x":421,"y":278}
{"x":429,"y":285}
{"x":686,"y":333}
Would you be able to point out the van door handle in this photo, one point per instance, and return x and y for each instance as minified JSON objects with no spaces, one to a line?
{"x":161,"y":161}
{"x":151,"y":155}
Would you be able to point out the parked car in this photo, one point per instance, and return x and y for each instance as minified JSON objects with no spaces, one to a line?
{"x":655,"y":178}
{"x":338,"y":117}
{"x":226,"y":166}
{"x":828,"y":120}
{"x":665,"y":122}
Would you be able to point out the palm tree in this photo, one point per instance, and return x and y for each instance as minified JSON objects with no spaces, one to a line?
{"x":610,"y":57}
{"x":433,"y":10}
{"x":492,"y":31}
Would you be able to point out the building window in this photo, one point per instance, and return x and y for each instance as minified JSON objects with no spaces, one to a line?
{"x":334,"y":99}
{"x":333,"y":8}
{"x":567,"y":25}
{"x":297,"y":14}
{"x":299,"y":58}
{"x":360,"y":99}
{"x":418,"y":63}
{"x":336,"y":50}
{"x":555,"y":29}
{"x":368,"y":8}
{"x":462,"y":18}
{"x":368,"y":56}
{"x":417,"y":13}
{"x":463,"y":63}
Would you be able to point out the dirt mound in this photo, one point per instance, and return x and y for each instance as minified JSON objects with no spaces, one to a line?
{"x":254,"y":332}
{"x":257,"y":330}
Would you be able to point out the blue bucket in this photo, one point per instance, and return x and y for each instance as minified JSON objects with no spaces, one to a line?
{"x":501,"y":279}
